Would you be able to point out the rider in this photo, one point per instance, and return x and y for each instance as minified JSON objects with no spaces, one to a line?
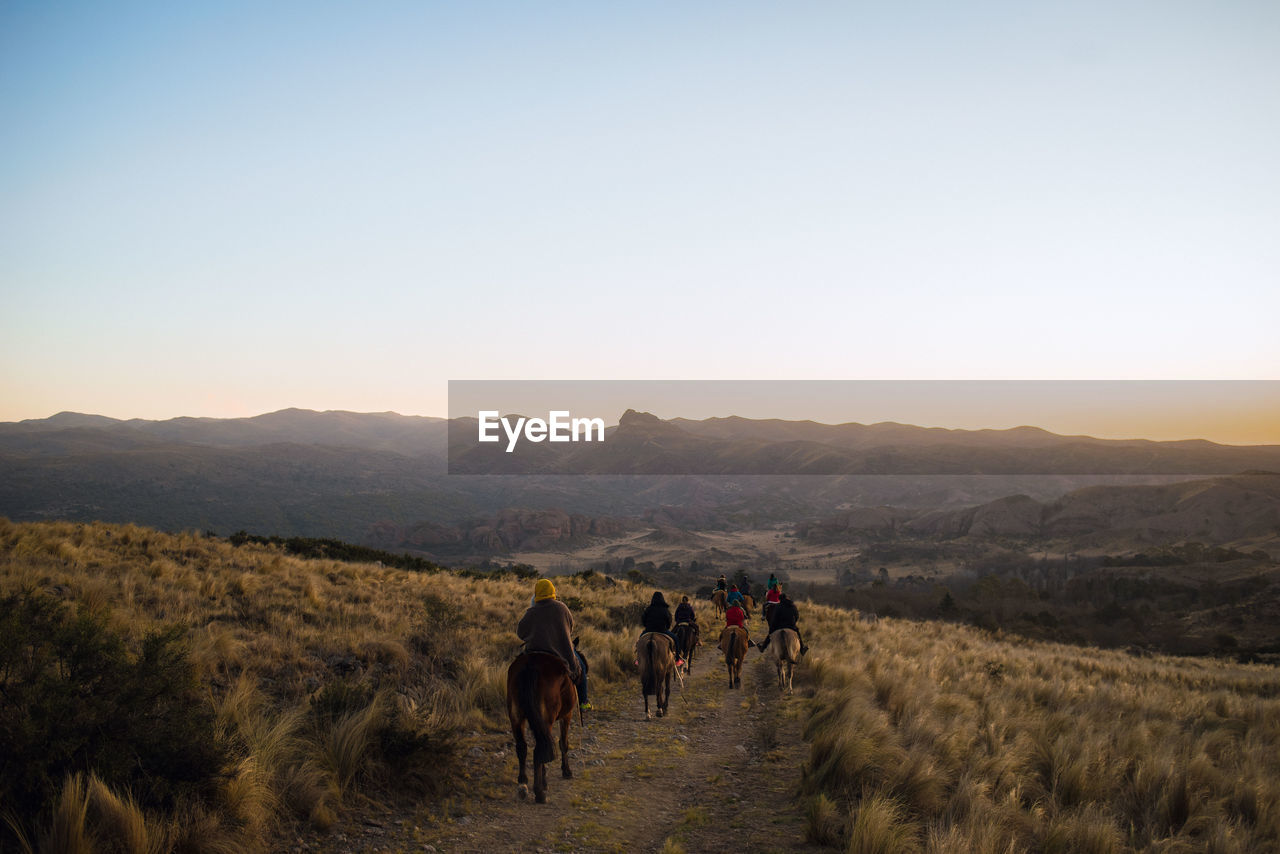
{"x":773,"y":581}
{"x":746,"y":585}
{"x":685,"y":614}
{"x":657,"y":618}
{"x":784,"y":616}
{"x":734,"y":615}
{"x":735,"y":597}
{"x":721,"y":584}
{"x":773,"y":596}
{"x":547,"y":626}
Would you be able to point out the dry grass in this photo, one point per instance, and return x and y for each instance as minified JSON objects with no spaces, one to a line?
{"x":997,"y":744}
{"x":422,"y":656}
{"x":923,"y":736}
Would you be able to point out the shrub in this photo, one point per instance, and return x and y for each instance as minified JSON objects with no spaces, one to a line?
{"x":74,"y":697}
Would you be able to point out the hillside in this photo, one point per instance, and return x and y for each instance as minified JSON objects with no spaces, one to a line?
{"x":357,"y":707}
{"x":1239,"y":509}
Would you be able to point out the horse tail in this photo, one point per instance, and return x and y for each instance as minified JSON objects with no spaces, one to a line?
{"x":531,"y":706}
{"x":647,"y":681}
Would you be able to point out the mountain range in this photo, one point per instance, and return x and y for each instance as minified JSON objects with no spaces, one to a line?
{"x":641,"y":443}
{"x":358,"y":476}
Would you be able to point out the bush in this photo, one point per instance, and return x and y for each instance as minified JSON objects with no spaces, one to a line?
{"x":75,"y":698}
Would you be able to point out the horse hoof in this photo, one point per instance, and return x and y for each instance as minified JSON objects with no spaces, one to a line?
{"x":568,"y":774}
{"x":659,"y":712}
{"x":522,"y":792}
{"x":540,"y":798}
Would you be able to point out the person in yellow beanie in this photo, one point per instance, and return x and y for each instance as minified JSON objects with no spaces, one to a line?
{"x":547,"y":626}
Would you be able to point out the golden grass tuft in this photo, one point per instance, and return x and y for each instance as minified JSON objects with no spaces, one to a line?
{"x":879,"y":825}
{"x":823,"y":822}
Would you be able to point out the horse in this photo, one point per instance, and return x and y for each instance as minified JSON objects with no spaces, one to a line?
{"x":733,"y":643}
{"x":687,"y":639}
{"x":540,"y":691}
{"x":785,"y":646}
{"x":657,"y":664}
{"x":748,"y":602}
{"x":717,"y":599}
{"x":767,"y":611}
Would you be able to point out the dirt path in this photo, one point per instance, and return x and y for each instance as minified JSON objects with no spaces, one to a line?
{"x":718,"y":774}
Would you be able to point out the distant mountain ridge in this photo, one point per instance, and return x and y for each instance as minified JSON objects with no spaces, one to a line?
{"x":411,"y":435}
{"x":644,"y":444}
{"x":357,"y":476}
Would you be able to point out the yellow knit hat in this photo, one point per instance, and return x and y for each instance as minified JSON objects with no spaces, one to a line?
{"x":544,"y":589}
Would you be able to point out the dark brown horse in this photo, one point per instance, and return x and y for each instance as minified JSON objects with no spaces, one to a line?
{"x":733,"y":643}
{"x":540,"y":691}
{"x":657,"y":664}
{"x":687,"y":640}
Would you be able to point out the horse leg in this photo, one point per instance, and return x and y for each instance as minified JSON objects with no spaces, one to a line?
{"x":565,"y":770}
{"x":522,"y":752}
{"x":539,"y":782}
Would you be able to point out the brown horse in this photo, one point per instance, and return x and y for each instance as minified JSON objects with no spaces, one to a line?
{"x":687,"y":640}
{"x":657,"y":664}
{"x":784,"y":644}
{"x":540,"y":691}
{"x":748,"y":602}
{"x":717,"y":599}
{"x":733,"y":643}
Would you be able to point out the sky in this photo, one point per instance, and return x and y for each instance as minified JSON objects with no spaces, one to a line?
{"x":224,"y":209}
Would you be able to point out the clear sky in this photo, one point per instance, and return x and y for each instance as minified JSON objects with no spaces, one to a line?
{"x":228,"y":208}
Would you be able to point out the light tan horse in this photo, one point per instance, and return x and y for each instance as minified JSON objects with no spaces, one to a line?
{"x":784,"y":645}
{"x":657,"y":665}
{"x":733,"y":643}
{"x":717,"y":599}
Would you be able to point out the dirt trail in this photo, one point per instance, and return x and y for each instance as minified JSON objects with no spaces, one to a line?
{"x":718,"y":774}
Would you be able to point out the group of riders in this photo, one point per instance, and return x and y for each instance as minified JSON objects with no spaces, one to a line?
{"x":547,"y":625}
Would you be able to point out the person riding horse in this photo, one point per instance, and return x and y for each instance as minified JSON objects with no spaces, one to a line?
{"x":721,"y":584}
{"x":784,"y":616}
{"x":685,"y":614}
{"x":547,"y":626}
{"x":734,"y":615}
{"x":771,"y":599}
{"x":657,"y":618}
{"x":735,"y":597}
